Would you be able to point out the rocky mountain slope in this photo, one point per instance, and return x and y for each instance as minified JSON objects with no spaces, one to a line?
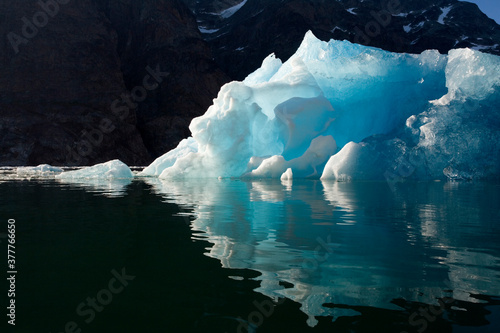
{"x":87,"y":81}
{"x":261,"y":27}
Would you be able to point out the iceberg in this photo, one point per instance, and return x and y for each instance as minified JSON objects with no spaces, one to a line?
{"x":344,"y":111}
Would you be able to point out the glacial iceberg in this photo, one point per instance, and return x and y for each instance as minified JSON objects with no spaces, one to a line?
{"x":343,"y":111}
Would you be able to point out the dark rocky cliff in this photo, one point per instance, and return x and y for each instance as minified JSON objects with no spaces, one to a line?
{"x":58,"y":80}
{"x":165,"y":34}
{"x":66,"y":77}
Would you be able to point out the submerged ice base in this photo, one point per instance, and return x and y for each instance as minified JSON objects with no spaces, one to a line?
{"x":339,"y":110}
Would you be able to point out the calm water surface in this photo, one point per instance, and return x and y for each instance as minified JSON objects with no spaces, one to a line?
{"x":254,"y":256}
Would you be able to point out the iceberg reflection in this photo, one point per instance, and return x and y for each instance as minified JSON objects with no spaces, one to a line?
{"x":353,"y":243}
{"x":111,"y":188}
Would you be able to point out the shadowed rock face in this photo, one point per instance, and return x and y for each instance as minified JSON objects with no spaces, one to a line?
{"x":64,"y":86}
{"x":165,"y":35}
{"x":66,"y":75}
{"x":59,"y":81}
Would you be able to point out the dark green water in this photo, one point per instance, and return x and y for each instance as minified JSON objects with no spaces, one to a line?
{"x":235,"y":256}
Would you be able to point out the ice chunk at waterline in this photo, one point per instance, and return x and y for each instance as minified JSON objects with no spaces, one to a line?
{"x":287,"y":175}
{"x":351,"y":93}
{"x":114,"y":169}
{"x":109,"y":179}
{"x":307,"y":165}
{"x":40,"y":170}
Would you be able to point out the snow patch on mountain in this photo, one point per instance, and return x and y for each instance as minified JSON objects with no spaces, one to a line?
{"x":444,"y":14}
{"x":232,"y":10}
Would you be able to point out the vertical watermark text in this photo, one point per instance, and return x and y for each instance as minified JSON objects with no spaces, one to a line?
{"x":11,"y":271}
